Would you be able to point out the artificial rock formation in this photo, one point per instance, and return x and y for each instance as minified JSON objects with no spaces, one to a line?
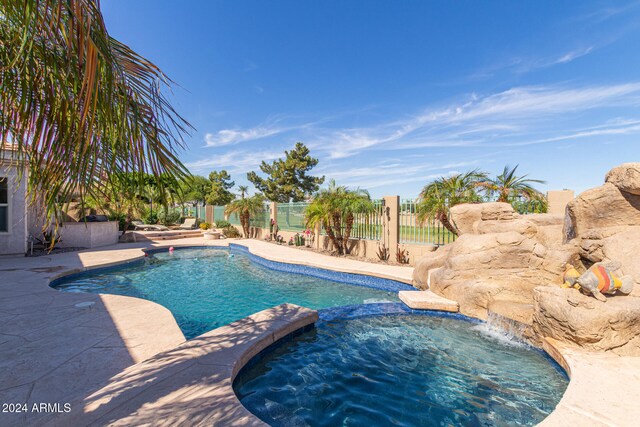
{"x":516,"y":262}
{"x":568,"y":315}
{"x":499,"y":256}
{"x":604,"y":225}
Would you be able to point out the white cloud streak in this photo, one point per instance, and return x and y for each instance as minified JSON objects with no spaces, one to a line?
{"x":236,"y":136}
{"x":516,"y":112}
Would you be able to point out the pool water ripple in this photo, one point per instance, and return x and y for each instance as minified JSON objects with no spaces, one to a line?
{"x":406,"y":370}
{"x":208,"y":288}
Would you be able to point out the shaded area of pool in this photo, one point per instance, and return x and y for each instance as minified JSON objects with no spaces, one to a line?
{"x":406,"y":370}
{"x":208,"y":288}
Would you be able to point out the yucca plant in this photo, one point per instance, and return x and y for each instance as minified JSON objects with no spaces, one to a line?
{"x":77,"y":105}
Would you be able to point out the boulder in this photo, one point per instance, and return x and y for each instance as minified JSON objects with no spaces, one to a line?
{"x":568,"y":315}
{"x":619,"y":244}
{"x":626,"y":177}
{"x":466,"y":216}
{"x":428,"y":262}
{"x":601,"y":207}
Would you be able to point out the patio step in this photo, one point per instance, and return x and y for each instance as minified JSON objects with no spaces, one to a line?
{"x":139,"y":236}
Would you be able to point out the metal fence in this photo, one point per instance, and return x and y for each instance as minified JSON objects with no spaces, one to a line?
{"x":291,"y":216}
{"x":369,"y":226}
{"x":414,"y":231}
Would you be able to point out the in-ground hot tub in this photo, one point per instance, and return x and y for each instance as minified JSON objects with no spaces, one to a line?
{"x":407,"y":370}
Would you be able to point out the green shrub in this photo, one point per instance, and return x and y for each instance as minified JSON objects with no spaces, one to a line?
{"x":205,"y":226}
{"x":223,"y":224}
{"x":231,"y":231}
{"x":151,"y":218}
{"x":121,"y":218}
{"x":170,"y":218}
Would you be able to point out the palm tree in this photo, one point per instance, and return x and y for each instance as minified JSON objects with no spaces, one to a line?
{"x":509,"y":187}
{"x":243,"y":190}
{"x":440,"y":195}
{"x":245,"y":208}
{"x":77,"y":105}
{"x":334,"y":208}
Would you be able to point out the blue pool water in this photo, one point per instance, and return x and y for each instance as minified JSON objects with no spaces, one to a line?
{"x":406,"y":370}
{"x":208,"y":288}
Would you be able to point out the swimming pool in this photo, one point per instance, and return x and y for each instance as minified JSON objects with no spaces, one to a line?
{"x":400,"y":370}
{"x":205,"y":288}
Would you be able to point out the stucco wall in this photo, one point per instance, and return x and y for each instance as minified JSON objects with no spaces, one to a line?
{"x":88,"y":235}
{"x":15,"y":240}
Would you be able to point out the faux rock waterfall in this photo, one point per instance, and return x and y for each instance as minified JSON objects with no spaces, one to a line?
{"x":517,"y":261}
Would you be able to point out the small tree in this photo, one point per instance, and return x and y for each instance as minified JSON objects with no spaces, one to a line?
{"x":440,"y":195}
{"x":219,"y":193}
{"x":509,"y":187}
{"x":334,"y":208}
{"x":287,"y":179}
{"x":246,"y":208}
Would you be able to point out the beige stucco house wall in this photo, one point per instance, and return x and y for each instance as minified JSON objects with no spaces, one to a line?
{"x":13,"y":197}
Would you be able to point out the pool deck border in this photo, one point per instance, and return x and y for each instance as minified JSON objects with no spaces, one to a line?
{"x":593,"y":375}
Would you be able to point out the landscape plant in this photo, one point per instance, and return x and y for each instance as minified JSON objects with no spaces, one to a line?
{"x":80,"y":105}
{"x":334,"y":208}
{"x":509,"y":187}
{"x":437,"y":197}
{"x":246,"y":208}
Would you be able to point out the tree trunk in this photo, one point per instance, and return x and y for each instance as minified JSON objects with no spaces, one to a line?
{"x":244,"y":221}
{"x":337,"y":227}
{"x":332,"y":236}
{"x":444,"y":220}
{"x":348,"y":226}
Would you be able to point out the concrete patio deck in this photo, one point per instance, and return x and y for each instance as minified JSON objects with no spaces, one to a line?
{"x":57,"y":347}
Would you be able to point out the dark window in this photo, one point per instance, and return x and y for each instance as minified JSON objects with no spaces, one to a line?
{"x":4,"y":205}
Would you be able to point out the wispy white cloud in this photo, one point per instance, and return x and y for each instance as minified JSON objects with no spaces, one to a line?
{"x":236,"y":161}
{"x":570,"y":56}
{"x":236,"y":136}
{"x":517,"y":112}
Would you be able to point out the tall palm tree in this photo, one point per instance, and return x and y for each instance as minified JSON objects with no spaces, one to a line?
{"x":246,"y":208}
{"x":77,"y":105}
{"x":508,"y":186}
{"x":334,"y":208}
{"x":443,"y":193}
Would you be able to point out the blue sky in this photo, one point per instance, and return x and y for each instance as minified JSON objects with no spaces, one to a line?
{"x":390,"y":94}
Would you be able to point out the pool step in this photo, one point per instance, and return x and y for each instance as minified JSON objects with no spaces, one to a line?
{"x":427,"y":300}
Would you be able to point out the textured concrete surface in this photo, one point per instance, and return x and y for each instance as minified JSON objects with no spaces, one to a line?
{"x":427,"y":300}
{"x":603,"y":389}
{"x":192,"y":383}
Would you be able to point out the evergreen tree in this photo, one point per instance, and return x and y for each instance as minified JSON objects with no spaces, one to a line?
{"x":287,"y":178}
{"x":219,"y":194}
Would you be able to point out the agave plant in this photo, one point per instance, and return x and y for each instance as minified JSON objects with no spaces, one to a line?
{"x":443,"y":193}
{"x":79,"y":106}
{"x":334,"y":208}
{"x":246,"y":208}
